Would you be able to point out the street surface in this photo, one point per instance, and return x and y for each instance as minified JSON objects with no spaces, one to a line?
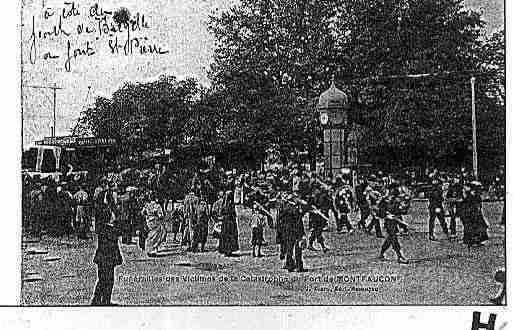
{"x":443,"y":272}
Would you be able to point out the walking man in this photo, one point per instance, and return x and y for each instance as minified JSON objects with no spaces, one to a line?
{"x":436,"y":210}
{"x":454,"y":199}
{"x":374,"y":199}
{"x":341,"y":205}
{"x":292,"y":235}
{"x":107,"y":255}
{"x":390,"y":213}
{"x":363,"y":204}
{"x":322,"y":202}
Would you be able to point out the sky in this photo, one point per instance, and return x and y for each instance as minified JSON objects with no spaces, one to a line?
{"x":62,"y":46}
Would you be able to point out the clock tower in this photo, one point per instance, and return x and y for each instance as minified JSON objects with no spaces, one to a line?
{"x":339,"y":150}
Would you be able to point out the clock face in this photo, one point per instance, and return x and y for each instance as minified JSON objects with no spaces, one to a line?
{"x":340,"y":118}
{"x":324,"y":118}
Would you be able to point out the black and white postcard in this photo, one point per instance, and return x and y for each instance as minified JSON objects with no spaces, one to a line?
{"x":343,"y":154}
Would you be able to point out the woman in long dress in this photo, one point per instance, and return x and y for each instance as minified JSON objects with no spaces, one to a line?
{"x":474,"y":225}
{"x":229,"y":238}
{"x":157,"y":234}
{"x":81,"y":220}
{"x":217,"y":216}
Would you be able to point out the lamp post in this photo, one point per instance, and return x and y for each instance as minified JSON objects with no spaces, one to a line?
{"x":324,"y":119}
{"x":331,"y":148}
{"x":474,"y":129}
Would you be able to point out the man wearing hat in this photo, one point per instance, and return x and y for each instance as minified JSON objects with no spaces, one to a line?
{"x":257,"y":223}
{"x":293,"y":234}
{"x":107,"y":256}
{"x":322,"y":202}
{"x":128,"y":215}
{"x":81,"y":199}
{"x":217,"y":207}
{"x":341,"y":205}
{"x":97,"y":198}
{"x":36,"y":210}
{"x":239,"y":197}
{"x":374,"y":199}
{"x":65,"y":213}
{"x":454,"y":197}
{"x":436,"y":209}
{"x":390,"y":213}
{"x":363,"y":204}
{"x":278,"y":203}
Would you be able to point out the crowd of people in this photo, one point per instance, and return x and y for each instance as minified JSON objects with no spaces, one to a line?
{"x":191,"y":205}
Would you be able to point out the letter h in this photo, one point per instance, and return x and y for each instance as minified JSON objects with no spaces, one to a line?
{"x":476,"y":322}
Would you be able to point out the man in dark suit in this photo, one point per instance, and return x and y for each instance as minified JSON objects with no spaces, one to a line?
{"x":391,"y":212}
{"x":108,"y":255}
{"x":322,"y":201}
{"x":455,"y":198}
{"x":128,"y":214}
{"x":341,"y":205}
{"x":375,"y":204}
{"x":436,"y":209}
{"x":363,"y":204}
{"x":278,"y":204}
{"x":293,"y":232}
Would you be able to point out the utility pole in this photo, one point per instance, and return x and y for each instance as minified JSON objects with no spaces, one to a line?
{"x":474,"y":129}
{"x":54,"y":88}
{"x":54,"y":117}
{"x":21,"y":75}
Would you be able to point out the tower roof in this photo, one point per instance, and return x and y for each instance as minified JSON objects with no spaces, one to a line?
{"x":333,"y":98}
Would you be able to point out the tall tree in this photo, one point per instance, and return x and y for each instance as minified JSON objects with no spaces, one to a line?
{"x":399,"y":37}
{"x":491,"y":108}
{"x":271,"y":57}
{"x":144,"y":116}
{"x":274,"y":55}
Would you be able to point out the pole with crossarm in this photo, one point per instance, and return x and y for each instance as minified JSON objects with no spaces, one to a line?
{"x":54,"y":88}
{"x":474,"y":129}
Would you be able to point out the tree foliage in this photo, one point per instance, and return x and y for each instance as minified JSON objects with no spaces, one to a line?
{"x":271,"y":58}
{"x":274,"y":57}
{"x":145,"y":116}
